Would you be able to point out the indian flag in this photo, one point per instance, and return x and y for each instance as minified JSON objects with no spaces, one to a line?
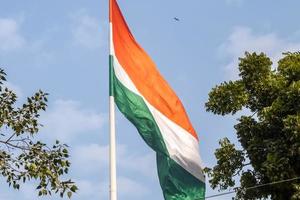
{"x":147,"y":100}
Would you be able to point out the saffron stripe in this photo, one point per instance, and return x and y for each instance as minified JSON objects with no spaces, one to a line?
{"x":143,"y":73}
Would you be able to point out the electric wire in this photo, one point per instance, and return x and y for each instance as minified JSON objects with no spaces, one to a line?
{"x":251,"y":188}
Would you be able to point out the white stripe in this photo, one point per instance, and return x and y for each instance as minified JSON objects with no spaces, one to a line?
{"x":183,"y":148}
{"x":111,"y":43}
{"x":119,"y":71}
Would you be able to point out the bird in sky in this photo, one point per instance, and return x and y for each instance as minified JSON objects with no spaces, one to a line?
{"x":176,"y":19}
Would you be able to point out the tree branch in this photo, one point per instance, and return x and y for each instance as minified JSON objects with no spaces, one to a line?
{"x":14,"y":146}
{"x":238,"y":172}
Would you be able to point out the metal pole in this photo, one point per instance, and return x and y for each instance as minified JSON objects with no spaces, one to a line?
{"x":112,"y":150}
{"x":112,"y":130}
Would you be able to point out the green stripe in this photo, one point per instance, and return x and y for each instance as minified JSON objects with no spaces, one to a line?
{"x":176,"y":182}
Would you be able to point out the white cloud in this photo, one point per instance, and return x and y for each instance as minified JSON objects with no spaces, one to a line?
{"x":67,"y":119}
{"x":243,"y":39}
{"x":99,"y":157}
{"x":146,"y":162}
{"x":126,"y":187}
{"x":93,"y":161}
{"x":87,"y":31}
{"x":90,"y":190}
{"x":94,"y":154}
{"x":130,"y":188}
{"x":10,"y":37}
{"x":38,"y":51}
{"x":27,"y":192}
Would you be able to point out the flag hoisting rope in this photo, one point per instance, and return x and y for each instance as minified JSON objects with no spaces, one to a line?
{"x":147,"y":100}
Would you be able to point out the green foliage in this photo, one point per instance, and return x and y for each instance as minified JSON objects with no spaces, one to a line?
{"x":21,"y":157}
{"x":230,"y":162}
{"x":229,"y":97}
{"x":269,"y":137}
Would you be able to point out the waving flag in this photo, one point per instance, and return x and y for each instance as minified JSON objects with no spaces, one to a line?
{"x":147,"y":100}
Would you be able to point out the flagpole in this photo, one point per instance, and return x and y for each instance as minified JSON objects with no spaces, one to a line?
{"x":112,"y":150}
{"x":112,"y":130}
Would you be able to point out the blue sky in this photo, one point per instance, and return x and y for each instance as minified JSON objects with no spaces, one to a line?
{"x":61,"y":47}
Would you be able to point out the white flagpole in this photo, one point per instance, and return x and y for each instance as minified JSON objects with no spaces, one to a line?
{"x":112,"y":145}
{"x":112,"y":150}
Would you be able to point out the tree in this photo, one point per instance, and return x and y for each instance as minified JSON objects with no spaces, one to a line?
{"x":21,"y":157}
{"x":269,"y":137}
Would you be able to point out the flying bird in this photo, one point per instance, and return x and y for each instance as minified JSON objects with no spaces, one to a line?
{"x":176,"y":19}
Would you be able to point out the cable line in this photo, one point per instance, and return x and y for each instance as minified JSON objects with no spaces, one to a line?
{"x":251,"y":188}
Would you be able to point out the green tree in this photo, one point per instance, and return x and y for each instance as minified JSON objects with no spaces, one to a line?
{"x":269,"y":137}
{"x":21,"y":157}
